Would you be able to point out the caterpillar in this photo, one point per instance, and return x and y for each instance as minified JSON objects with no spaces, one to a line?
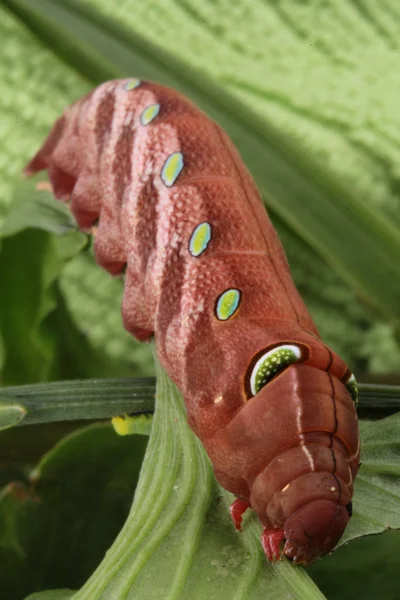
{"x":173,"y":209}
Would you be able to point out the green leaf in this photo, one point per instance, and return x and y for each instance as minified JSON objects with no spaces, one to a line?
{"x":41,"y":340}
{"x":76,"y":355}
{"x":27,"y":297}
{"x":93,"y":299}
{"x":57,"y":526}
{"x":52,"y":595}
{"x":38,"y":209}
{"x":377,"y":400}
{"x":356,"y":239}
{"x":30,"y":262}
{"x":36,"y":86}
{"x":11,"y":413}
{"x":107,"y":398}
{"x":85,"y":399}
{"x":367,"y":568}
{"x":377,"y":489}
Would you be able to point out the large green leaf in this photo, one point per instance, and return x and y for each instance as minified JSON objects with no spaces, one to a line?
{"x":94,"y":299}
{"x":313,"y":68}
{"x":33,"y":208}
{"x":367,"y":568}
{"x":377,"y":489}
{"x":356,"y":239}
{"x":35,"y":87}
{"x":58,"y":524}
{"x":27,"y":279}
{"x":30,"y":262}
{"x":75,"y":354}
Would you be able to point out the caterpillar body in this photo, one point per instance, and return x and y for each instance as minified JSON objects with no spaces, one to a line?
{"x":172,"y":207}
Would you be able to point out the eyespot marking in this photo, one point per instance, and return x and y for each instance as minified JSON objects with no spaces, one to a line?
{"x":149,"y":114}
{"x":352,"y":388}
{"x":132,"y":84}
{"x":270,"y":363}
{"x":227,"y":304}
{"x":171,"y":169}
{"x":200,"y":239}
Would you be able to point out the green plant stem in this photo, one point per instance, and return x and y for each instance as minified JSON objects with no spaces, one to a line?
{"x":378,"y":401}
{"x":82,"y":399}
{"x":106,"y":398}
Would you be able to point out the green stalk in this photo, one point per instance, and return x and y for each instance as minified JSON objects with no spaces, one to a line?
{"x":106,"y":398}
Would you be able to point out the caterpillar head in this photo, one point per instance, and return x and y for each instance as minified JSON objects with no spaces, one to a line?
{"x":314,"y":529}
{"x":303,"y":493}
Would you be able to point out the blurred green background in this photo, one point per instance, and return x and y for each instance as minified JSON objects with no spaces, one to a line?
{"x":314,"y":85}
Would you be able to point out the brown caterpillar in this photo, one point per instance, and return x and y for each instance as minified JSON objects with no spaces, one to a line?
{"x":175,"y":209}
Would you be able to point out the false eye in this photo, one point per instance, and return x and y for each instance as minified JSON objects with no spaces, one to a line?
{"x":352,"y":388}
{"x":271,"y":363}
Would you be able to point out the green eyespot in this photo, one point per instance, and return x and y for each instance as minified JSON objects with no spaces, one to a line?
{"x":227,"y":304}
{"x":171,"y":169}
{"x":352,"y":388}
{"x":149,"y":114}
{"x":200,"y":239}
{"x":131,"y":84}
{"x":270,"y":363}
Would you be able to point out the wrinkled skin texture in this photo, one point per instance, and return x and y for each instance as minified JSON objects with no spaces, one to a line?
{"x":173,"y":208}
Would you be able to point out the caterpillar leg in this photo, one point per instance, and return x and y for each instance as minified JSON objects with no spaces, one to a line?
{"x":62,"y":182}
{"x":135,"y":309}
{"x":56,"y":156}
{"x":41,"y":159}
{"x":86,"y":201}
{"x":271,"y":540}
{"x":237,"y":510}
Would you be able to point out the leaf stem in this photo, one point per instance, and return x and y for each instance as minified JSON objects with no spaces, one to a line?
{"x":105,"y":398}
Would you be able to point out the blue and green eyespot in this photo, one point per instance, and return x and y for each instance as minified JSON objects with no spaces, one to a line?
{"x":131,"y":84}
{"x":149,"y":114}
{"x":171,"y":169}
{"x":227,"y":304}
{"x":200,"y":239}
